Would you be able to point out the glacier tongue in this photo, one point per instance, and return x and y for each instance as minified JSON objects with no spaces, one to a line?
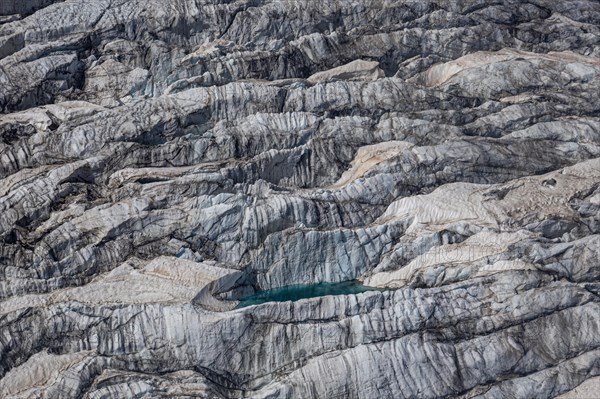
{"x":161,"y":160}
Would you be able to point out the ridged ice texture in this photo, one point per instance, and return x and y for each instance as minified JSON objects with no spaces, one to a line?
{"x":158,"y":159}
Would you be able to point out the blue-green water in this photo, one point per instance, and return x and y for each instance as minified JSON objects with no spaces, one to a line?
{"x":296,"y":292}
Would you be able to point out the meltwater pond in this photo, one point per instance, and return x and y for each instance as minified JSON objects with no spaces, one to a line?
{"x":296,"y":292}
